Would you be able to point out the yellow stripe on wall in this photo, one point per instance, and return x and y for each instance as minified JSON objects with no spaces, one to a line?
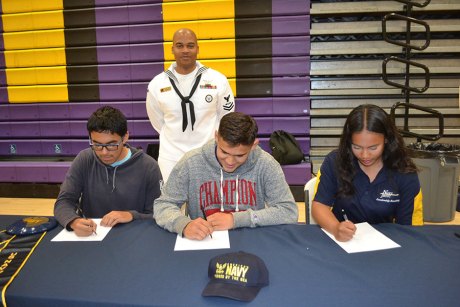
{"x":40,"y":93}
{"x":198,"y":10}
{"x":225,"y":66}
{"x":33,"y":21}
{"x":34,"y":39}
{"x":36,"y":75}
{"x":204,"y":29}
{"x":22,"y":6}
{"x":217,"y":49}
{"x":35,"y":57}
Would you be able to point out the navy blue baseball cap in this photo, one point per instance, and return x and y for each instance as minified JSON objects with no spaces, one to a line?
{"x":238,"y":276}
{"x":31,"y":225}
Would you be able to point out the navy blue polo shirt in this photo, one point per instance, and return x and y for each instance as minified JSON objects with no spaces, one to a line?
{"x":391,"y":197}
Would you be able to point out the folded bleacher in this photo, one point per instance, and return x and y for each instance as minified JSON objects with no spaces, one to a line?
{"x":61,"y":61}
{"x":347,"y":51}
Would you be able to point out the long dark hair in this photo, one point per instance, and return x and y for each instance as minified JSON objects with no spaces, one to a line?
{"x":374,"y":119}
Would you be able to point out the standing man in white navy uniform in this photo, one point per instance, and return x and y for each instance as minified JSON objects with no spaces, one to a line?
{"x":186,"y":102}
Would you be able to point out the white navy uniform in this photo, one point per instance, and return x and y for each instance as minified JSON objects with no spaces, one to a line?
{"x":212,"y":99}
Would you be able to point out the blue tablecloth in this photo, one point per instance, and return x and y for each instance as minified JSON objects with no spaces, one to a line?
{"x":135,"y":265}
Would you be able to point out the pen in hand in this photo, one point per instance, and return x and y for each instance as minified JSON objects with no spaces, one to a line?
{"x":83,"y":216}
{"x":345,"y":217}
{"x":204,"y":217}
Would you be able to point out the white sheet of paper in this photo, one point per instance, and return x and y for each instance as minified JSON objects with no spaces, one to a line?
{"x":66,"y":235}
{"x":219,"y":240}
{"x":366,"y":239}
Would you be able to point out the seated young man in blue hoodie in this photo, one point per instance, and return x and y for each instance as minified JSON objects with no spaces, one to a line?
{"x":110,"y":180}
{"x":228,"y":183}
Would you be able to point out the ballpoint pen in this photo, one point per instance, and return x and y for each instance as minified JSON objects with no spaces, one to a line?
{"x":204,"y":217}
{"x":83,"y":216}
{"x":345,"y":217}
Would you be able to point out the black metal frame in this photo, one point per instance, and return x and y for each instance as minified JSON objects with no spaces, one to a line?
{"x":406,"y":87}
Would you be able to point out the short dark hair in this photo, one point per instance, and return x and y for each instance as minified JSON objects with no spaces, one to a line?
{"x":107,"y":119}
{"x":238,"y":128}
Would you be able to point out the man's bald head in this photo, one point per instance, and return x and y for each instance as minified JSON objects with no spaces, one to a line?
{"x":185,"y":49}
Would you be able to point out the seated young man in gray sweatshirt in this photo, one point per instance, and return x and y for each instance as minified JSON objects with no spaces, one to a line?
{"x":229,"y":182}
{"x":110,"y":180}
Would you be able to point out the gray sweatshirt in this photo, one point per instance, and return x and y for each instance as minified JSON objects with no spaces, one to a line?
{"x":256,"y":193}
{"x":131,"y":186}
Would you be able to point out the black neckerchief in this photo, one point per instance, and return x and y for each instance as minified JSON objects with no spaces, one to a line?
{"x":186,"y":100}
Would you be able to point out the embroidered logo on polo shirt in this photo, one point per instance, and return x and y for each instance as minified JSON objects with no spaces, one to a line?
{"x":165,"y":89}
{"x":388,"y":197}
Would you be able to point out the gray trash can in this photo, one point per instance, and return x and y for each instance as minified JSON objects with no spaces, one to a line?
{"x":439,"y":168}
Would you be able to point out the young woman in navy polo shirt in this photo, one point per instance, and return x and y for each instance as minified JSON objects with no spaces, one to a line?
{"x":369,"y":178}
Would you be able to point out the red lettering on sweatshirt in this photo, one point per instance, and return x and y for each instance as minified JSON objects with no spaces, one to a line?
{"x":210,"y":195}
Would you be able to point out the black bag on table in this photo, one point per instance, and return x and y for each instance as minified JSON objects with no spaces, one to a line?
{"x":285,"y":148}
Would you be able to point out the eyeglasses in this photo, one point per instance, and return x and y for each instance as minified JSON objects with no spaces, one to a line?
{"x":109,"y":147}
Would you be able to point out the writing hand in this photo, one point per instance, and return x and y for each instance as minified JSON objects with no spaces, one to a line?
{"x":345,"y":231}
{"x":114,"y":217}
{"x":198,"y":229}
{"x":83,"y":227}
